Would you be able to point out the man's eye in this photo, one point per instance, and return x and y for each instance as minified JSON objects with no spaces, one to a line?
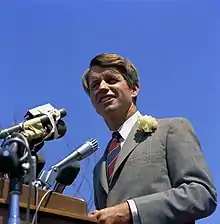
{"x":112,"y":81}
{"x":94,"y":85}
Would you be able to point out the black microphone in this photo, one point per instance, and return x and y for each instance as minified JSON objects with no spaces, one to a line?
{"x":66,"y":176}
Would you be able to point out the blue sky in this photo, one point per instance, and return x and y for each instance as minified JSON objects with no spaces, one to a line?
{"x":45,"y":46}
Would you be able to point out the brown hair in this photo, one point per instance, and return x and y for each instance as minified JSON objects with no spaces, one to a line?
{"x":124,"y":66}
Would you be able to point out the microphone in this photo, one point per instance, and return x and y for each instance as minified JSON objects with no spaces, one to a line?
{"x":37,"y":143}
{"x":80,"y":153}
{"x":47,"y":178}
{"x":42,"y":114}
{"x":66,"y":177}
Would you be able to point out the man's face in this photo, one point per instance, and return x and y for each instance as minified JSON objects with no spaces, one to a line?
{"x":109,"y":91}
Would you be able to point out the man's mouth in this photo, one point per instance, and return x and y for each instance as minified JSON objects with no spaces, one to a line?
{"x":106,"y":99}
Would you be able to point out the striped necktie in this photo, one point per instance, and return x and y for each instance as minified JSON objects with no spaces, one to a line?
{"x":112,"y":155}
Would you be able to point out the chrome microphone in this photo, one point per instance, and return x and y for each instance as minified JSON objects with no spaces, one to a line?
{"x":47,"y":178}
{"x":80,"y":153}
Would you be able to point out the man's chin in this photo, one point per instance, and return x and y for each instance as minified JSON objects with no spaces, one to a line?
{"x":108,"y":110}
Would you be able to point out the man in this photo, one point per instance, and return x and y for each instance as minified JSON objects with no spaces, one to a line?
{"x":152,"y":171}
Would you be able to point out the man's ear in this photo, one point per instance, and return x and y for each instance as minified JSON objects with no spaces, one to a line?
{"x":135,"y":90}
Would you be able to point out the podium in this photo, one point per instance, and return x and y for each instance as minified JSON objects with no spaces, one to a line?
{"x":56,"y":208}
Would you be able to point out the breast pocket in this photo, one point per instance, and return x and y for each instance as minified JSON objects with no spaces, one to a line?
{"x":147,"y":153}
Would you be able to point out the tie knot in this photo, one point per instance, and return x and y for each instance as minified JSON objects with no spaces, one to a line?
{"x":116,"y":135}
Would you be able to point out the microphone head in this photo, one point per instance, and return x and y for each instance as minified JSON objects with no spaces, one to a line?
{"x":87,"y":151}
{"x":68,"y":174}
{"x":61,"y":128}
{"x":94,"y":144}
{"x":63,"y":112}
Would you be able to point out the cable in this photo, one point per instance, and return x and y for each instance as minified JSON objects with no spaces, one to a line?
{"x":38,"y":207}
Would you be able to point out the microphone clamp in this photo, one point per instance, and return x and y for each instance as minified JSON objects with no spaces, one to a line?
{"x":46,"y":179}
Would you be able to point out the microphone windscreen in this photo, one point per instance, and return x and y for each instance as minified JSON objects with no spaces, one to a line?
{"x":61,"y":128}
{"x":67,"y":175}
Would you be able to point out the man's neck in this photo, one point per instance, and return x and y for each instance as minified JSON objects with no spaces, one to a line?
{"x":114,"y":122}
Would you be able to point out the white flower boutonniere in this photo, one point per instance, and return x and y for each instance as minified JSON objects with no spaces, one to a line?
{"x":147,"y":123}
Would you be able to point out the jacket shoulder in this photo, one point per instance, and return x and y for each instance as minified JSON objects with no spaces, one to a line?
{"x":175,"y":124}
{"x":174,"y":120}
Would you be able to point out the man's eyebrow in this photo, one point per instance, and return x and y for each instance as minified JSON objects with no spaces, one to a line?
{"x":108,"y":73}
{"x":111,"y":73}
{"x":93,"y":81}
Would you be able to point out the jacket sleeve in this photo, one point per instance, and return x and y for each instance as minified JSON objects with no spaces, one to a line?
{"x":193,"y":195}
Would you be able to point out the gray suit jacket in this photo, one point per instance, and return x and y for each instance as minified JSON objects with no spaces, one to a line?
{"x":163,"y":172}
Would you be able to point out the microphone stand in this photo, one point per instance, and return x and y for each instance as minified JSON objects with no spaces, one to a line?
{"x":15,"y":191}
{"x":11,"y":153}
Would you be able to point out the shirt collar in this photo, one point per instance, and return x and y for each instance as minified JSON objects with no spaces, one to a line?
{"x":126,"y":127}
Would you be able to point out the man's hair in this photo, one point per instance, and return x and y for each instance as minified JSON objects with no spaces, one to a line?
{"x":124,"y":66}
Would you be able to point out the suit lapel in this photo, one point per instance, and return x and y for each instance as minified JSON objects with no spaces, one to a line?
{"x":133,"y":139}
{"x":103,"y":174}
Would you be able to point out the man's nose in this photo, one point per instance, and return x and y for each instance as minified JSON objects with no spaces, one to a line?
{"x":103,"y":85}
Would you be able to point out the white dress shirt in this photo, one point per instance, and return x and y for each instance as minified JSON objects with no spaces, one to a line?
{"x":124,"y":131}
